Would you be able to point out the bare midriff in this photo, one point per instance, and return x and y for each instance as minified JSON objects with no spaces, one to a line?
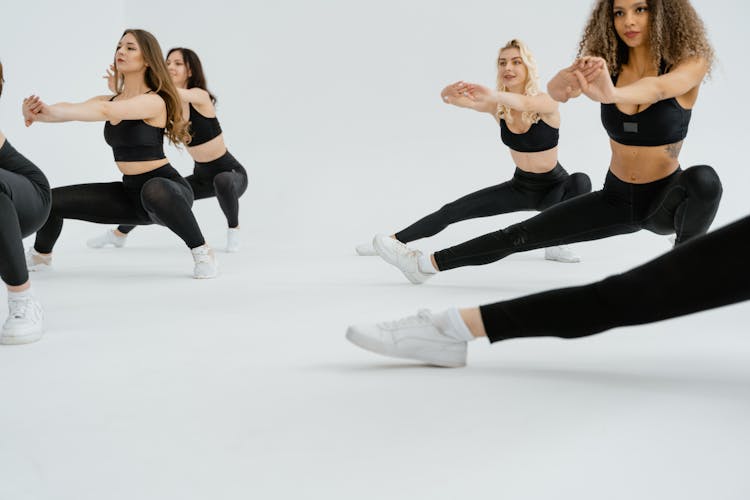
{"x":140,"y":167}
{"x":643,"y":164}
{"x":536,"y":163}
{"x":209,"y":151}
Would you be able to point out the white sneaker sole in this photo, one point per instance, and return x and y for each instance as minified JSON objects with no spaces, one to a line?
{"x":21,"y":339}
{"x":372,"y":345}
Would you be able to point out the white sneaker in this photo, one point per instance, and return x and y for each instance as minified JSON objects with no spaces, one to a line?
{"x":36,"y":261}
{"x":415,"y":337}
{"x":561,"y":254}
{"x":205,"y":263}
{"x":25,"y":323}
{"x":365,"y":249}
{"x":233,"y":239}
{"x":108,"y":238}
{"x":397,"y":254}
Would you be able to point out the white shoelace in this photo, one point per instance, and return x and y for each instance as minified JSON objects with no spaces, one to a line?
{"x":17,"y":308}
{"x":422,"y":318}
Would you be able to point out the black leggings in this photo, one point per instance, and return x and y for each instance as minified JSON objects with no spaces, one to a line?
{"x":160,"y":196}
{"x":707,"y":272}
{"x":685,"y":202}
{"x":24,"y":206}
{"x":224,"y":178}
{"x":525,"y":191}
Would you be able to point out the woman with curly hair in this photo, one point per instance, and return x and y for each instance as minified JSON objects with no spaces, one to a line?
{"x":24,"y":206}
{"x":217,"y":173}
{"x":529,"y":125}
{"x":657,"y":68}
{"x":145,"y":108}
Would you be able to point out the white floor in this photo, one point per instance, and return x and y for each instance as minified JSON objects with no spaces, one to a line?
{"x":152,"y":385}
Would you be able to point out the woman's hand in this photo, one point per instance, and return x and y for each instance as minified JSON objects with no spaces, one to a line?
{"x":564,"y":85}
{"x":451,"y":94}
{"x":109,"y":75}
{"x":32,"y":106}
{"x":594,"y":79}
{"x":481,"y":95}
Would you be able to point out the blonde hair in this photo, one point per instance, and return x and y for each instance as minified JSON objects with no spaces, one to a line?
{"x":532,"y":82}
{"x":676,"y":33}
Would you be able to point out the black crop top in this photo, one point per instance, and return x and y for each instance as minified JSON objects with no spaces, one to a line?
{"x":663,"y":122}
{"x":202,"y":129}
{"x":135,"y":140}
{"x":539,"y":137}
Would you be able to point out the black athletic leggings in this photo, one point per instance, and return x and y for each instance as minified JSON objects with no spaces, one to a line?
{"x":224,"y":178}
{"x":685,"y":203}
{"x":707,"y":272}
{"x":24,"y":206}
{"x":525,"y":191}
{"x":160,"y":196}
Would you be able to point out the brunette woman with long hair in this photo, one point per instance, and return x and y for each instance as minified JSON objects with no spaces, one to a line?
{"x":145,"y":108}
{"x":216,"y":173}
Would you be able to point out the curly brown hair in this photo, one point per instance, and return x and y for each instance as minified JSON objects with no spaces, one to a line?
{"x":1,"y":79}
{"x":158,"y":80}
{"x":676,"y":33}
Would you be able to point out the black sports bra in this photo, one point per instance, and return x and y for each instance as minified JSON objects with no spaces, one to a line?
{"x":663,"y":122}
{"x":134,"y":140}
{"x":539,"y":137}
{"x":202,"y":129}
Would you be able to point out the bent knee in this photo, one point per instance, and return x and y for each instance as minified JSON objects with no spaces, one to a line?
{"x":702,"y":181}
{"x":579,"y":183}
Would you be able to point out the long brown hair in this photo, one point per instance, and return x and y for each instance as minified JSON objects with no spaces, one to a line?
{"x":197,"y":78}
{"x":676,"y":33}
{"x":1,"y":79}
{"x":158,"y":80}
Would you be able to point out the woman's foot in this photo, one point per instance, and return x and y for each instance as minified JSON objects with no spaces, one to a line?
{"x":36,"y":261}
{"x":561,"y":254}
{"x":25,"y":323}
{"x":205,"y":263}
{"x":365,"y":249}
{"x":427,"y":337}
{"x":110,"y":237}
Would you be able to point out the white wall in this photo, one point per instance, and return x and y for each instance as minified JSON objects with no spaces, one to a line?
{"x":321,"y":100}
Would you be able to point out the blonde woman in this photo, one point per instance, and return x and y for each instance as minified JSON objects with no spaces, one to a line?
{"x":529,"y":125}
{"x":146,"y":107}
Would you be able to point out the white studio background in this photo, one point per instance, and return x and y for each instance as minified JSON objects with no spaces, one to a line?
{"x":334,"y":97}
{"x":150,"y":385}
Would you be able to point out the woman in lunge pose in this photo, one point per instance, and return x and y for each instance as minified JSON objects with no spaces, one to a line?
{"x":216,"y":172}
{"x":658,"y":54}
{"x":24,"y":206}
{"x":529,"y":125}
{"x":146,"y":107}
{"x":707,"y":272}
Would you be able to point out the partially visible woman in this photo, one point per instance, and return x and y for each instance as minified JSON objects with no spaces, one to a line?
{"x":24,"y":206}
{"x":216,"y":173}
{"x":145,"y":108}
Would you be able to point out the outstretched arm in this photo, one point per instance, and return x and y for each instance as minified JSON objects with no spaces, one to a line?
{"x":100,"y":108}
{"x":458,"y":95}
{"x":490,"y":98}
{"x":595,"y":82}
